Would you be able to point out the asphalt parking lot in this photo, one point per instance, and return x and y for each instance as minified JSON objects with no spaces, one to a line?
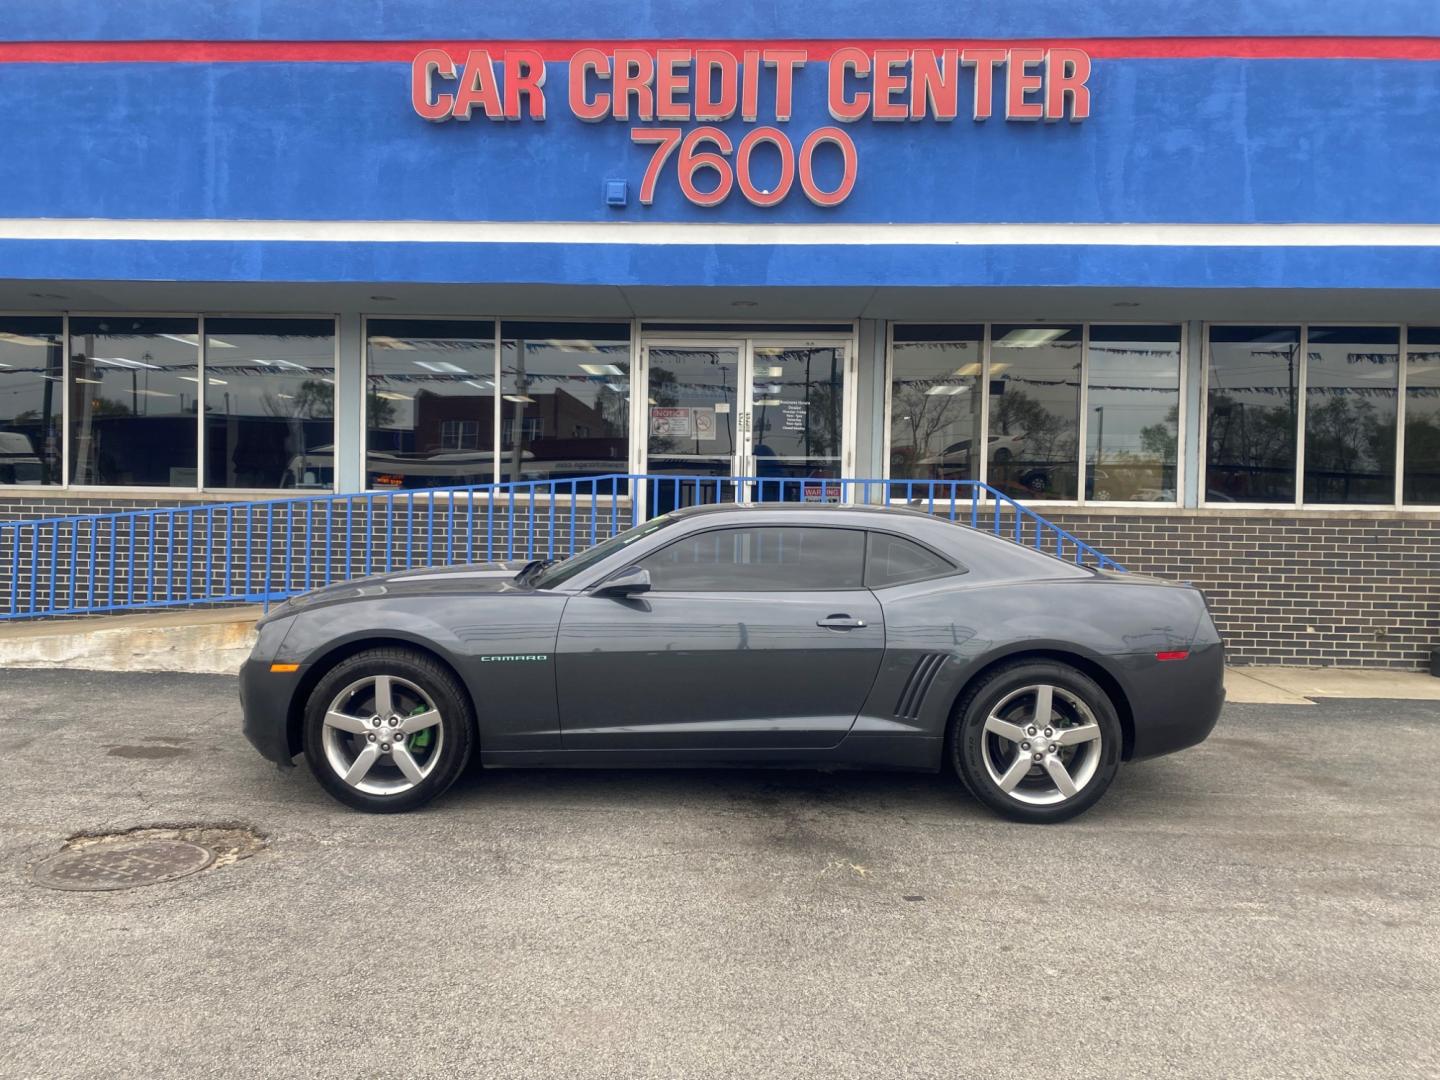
{"x":1261,"y":906}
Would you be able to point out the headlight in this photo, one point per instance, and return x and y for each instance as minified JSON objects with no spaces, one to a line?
{"x":270,"y":634}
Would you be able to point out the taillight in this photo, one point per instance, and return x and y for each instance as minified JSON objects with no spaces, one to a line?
{"x":1177,"y":655}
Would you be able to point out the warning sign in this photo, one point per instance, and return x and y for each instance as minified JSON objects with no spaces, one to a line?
{"x":821,"y":493}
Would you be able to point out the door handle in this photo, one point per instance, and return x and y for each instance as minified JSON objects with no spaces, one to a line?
{"x":840,"y":622}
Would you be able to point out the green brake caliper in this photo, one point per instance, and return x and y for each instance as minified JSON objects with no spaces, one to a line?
{"x":421,"y":739}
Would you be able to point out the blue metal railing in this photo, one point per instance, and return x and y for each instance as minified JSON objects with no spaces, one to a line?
{"x":258,"y":552}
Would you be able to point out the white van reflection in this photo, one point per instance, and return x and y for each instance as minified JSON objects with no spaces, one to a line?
{"x":18,"y":461}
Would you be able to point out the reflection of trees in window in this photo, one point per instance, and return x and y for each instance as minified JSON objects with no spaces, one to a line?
{"x":108,"y":407}
{"x":1341,"y":436}
{"x":822,"y":422}
{"x":313,"y":399}
{"x":612,"y":402}
{"x":935,"y":402}
{"x":1158,"y":441}
{"x":1422,"y":483}
{"x":918,"y":417}
{"x":1246,"y":435}
{"x":1352,"y":376}
{"x":1252,"y":413}
{"x":1422,"y":416}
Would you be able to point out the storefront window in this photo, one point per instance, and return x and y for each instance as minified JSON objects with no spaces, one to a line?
{"x":270,"y":403}
{"x":935,"y":402}
{"x":134,"y":391}
{"x":564,"y":400}
{"x":31,"y":399}
{"x":1134,"y":401}
{"x":1351,"y":387}
{"x":1034,"y":410}
{"x":1252,"y":413}
{"x":430,"y":403}
{"x":1422,"y":416}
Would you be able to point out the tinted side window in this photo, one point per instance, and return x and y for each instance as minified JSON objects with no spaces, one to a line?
{"x":893,"y":560}
{"x":762,"y":559}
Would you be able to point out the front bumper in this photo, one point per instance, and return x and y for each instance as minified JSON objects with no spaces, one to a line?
{"x":265,"y":699}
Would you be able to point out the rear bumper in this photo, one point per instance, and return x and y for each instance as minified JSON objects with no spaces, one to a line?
{"x":1176,"y":703}
{"x":265,"y":704}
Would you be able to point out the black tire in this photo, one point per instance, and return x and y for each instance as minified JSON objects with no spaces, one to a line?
{"x":970,"y":743}
{"x":452,"y":749}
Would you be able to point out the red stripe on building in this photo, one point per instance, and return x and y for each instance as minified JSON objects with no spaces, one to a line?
{"x":352,"y":52}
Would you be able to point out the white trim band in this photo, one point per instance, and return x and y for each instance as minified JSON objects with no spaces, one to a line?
{"x":721,"y":233}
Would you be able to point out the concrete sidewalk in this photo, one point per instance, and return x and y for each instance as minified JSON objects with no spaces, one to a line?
{"x":217,"y":640}
{"x":1305,"y":686}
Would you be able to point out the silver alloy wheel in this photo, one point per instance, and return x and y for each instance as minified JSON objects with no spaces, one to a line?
{"x":382,"y":735}
{"x":1041,"y":745}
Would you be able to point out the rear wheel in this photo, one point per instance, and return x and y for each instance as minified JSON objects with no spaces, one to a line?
{"x":388,"y":730}
{"x":1037,"y":740}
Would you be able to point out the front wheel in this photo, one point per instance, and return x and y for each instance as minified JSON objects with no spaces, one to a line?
{"x":1037,"y":741}
{"x":387,"y":730}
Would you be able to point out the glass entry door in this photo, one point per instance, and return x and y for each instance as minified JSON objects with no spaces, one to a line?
{"x":693,"y":413}
{"x":762,"y":408}
{"x":797,"y":421}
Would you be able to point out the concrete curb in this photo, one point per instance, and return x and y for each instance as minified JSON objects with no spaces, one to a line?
{"x":199,"y":643}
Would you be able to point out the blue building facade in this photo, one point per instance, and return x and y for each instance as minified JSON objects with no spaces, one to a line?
{"x":1171,"y":270}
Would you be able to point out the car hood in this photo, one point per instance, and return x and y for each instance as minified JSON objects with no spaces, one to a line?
{"x":470,"y":578}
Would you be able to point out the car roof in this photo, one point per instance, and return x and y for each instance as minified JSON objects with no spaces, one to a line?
{"x":819,"y":509}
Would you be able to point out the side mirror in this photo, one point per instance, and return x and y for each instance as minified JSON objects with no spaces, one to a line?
{"x":631,"y":581}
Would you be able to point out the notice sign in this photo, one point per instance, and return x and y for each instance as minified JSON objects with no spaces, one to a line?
{"x":666,"y":421}
{"x":672,"y":422}
{"x":793,"y":415}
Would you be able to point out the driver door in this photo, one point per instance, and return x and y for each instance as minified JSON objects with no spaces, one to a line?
{"x":752,"y":637}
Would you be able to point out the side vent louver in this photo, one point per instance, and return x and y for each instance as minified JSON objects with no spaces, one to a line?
{"x":912,"y":695}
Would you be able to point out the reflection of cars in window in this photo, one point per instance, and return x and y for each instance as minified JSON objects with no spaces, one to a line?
{"x":957,"y":456}
{"x":18,"y":463}
{"x":1057,"y":481}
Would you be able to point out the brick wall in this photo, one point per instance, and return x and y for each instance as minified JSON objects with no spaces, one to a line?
{"x":29,"y":507}
{"x":266,"y":549}
{"x":1308,"y":587}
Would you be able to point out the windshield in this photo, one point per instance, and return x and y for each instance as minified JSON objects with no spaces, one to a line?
{"x":560,"y":572}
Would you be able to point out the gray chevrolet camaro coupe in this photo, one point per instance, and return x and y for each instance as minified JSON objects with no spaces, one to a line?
{"x":771,"y":635}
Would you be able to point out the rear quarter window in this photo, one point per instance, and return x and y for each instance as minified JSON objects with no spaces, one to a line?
{"x":894,"y":560}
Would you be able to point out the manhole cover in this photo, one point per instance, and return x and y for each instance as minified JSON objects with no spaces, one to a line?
{"x":122,"y":866}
